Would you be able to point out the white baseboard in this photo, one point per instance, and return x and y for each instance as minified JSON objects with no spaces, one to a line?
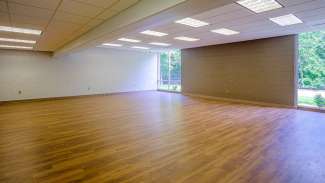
{"x":239,"y":101}
{"x":72,"y":96}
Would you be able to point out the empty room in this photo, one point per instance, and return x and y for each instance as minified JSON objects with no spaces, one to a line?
{"x":162,"y":91}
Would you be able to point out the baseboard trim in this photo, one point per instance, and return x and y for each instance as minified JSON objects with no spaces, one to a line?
{"x":311,"y":109}
{"x":70,"y":97}
{"x":167,"y":91}
{"x":265,"y":104}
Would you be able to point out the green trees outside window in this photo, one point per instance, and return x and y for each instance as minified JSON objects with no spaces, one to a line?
{"x":170,"y":71}
{"x":311,"y":69}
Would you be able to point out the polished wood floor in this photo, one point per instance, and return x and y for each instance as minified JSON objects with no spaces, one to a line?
{"x":159,"y":137}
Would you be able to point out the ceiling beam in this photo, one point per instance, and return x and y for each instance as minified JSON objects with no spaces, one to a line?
{"x":146,"y":13}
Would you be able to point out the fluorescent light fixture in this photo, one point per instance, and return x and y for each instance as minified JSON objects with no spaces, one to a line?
{"x":159,"y":44}
{"x":286,"y":20}
{"x":129,"y":40}
{"x":225,"y":31}
{"x":112,"y":44}
{"x":259,"y":6}
{"x":186,"y":39}
{"x":192,"y":22}
{"x":154,"y":33}
{"x":20,"y":30}
{"x":16,"y":47}
{"x":140,"y":47}
{"x":17,"y":40}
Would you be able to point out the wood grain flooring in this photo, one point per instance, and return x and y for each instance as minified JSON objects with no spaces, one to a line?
{"x":158,"y":137}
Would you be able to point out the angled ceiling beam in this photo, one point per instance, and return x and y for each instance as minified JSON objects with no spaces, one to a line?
{"x":145,"y":13}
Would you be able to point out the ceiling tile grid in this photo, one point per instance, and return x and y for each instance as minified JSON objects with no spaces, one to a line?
{"x":64,"y":20}
{"x":3,"y":6}
{"x":45,"y":4}
{"x":235,"y":17}
{"x":60,"y":20}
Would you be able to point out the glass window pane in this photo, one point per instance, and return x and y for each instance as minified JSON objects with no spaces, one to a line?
{"x":175,"y":71}
{"x":170,"y":71}
{"x":311,"y":69}
{"x":164,"y":72}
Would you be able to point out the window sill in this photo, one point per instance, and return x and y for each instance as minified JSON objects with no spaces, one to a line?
{"x":160,"y":90}
{"x":313,"y":109}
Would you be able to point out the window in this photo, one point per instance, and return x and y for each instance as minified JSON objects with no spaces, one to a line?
{"x":169,"y":75}
{"x":311,"y":70}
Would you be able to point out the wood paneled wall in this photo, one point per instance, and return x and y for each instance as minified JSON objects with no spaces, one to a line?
{"x":259,"y":70}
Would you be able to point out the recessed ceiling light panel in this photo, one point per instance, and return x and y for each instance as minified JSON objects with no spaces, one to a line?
{"x":259,"y":6}
{"x":183,"y":38}
{"x":20,"y":30}
{"x":192,"y":22}
{"x":129,"y":40}
{"x":140,"y":47}
{"x":225,"y":31}
{"x":17,"y":40}
{"x":154,"y":33}
{"x":112,"y":44}
{"x":16,"y":47}
{"x":159,"y":44}
{"x":286,"y":20}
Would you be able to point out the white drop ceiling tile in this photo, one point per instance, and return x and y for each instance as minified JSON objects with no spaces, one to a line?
{"x":240,"y":22}
{"x":311,"y":13}
{"x":312,"y":20}
{"x":3,"y":6}
{"x":246,"y":20}
{"x":18,"y":9}
{"x":62,"y":27}
{"x":106,"y":14}
{"x":27,"y":25}
{"x":33,"y":22}
{"x":123,"y":4}
{"x":231,"y":8}
{"x":100,"y":3}
{"x":176,"y":28}
{"x":310,"y":5}
{"x":4,"y":18}
{"x":81,"y":31}
{"x":78,"y":8}
{"x":87,"y":27}
{"x":94,"y":23}
{"x":228,"y":17}
{"x":316,"y":23}
{"x":233,"y":16}
{"x":288,"y":3}
{"x":249,"y":27}
{"x":318,"y":26}
{"x":57,"y":35}
{"x":52,"y":42}
{"x":48,"y":4}
{"x":67,"y":17}
{"x":169,"y":28}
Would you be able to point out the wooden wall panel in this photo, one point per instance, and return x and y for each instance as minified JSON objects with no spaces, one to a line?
{"x":259,"y":70}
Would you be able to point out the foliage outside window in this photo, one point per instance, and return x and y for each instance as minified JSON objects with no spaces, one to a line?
{"x":311,"y":69}
{"x":170,"y":71}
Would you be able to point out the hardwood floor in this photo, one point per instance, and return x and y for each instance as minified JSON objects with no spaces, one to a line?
{"x":159,"y":137}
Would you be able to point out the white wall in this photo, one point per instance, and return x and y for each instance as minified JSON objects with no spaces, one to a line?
{"x":94,"y":71}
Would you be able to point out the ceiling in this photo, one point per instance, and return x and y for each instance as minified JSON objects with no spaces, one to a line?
{"x":233,"y":16}
{"x":60,"y":20}
{"x":86,"y":23}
